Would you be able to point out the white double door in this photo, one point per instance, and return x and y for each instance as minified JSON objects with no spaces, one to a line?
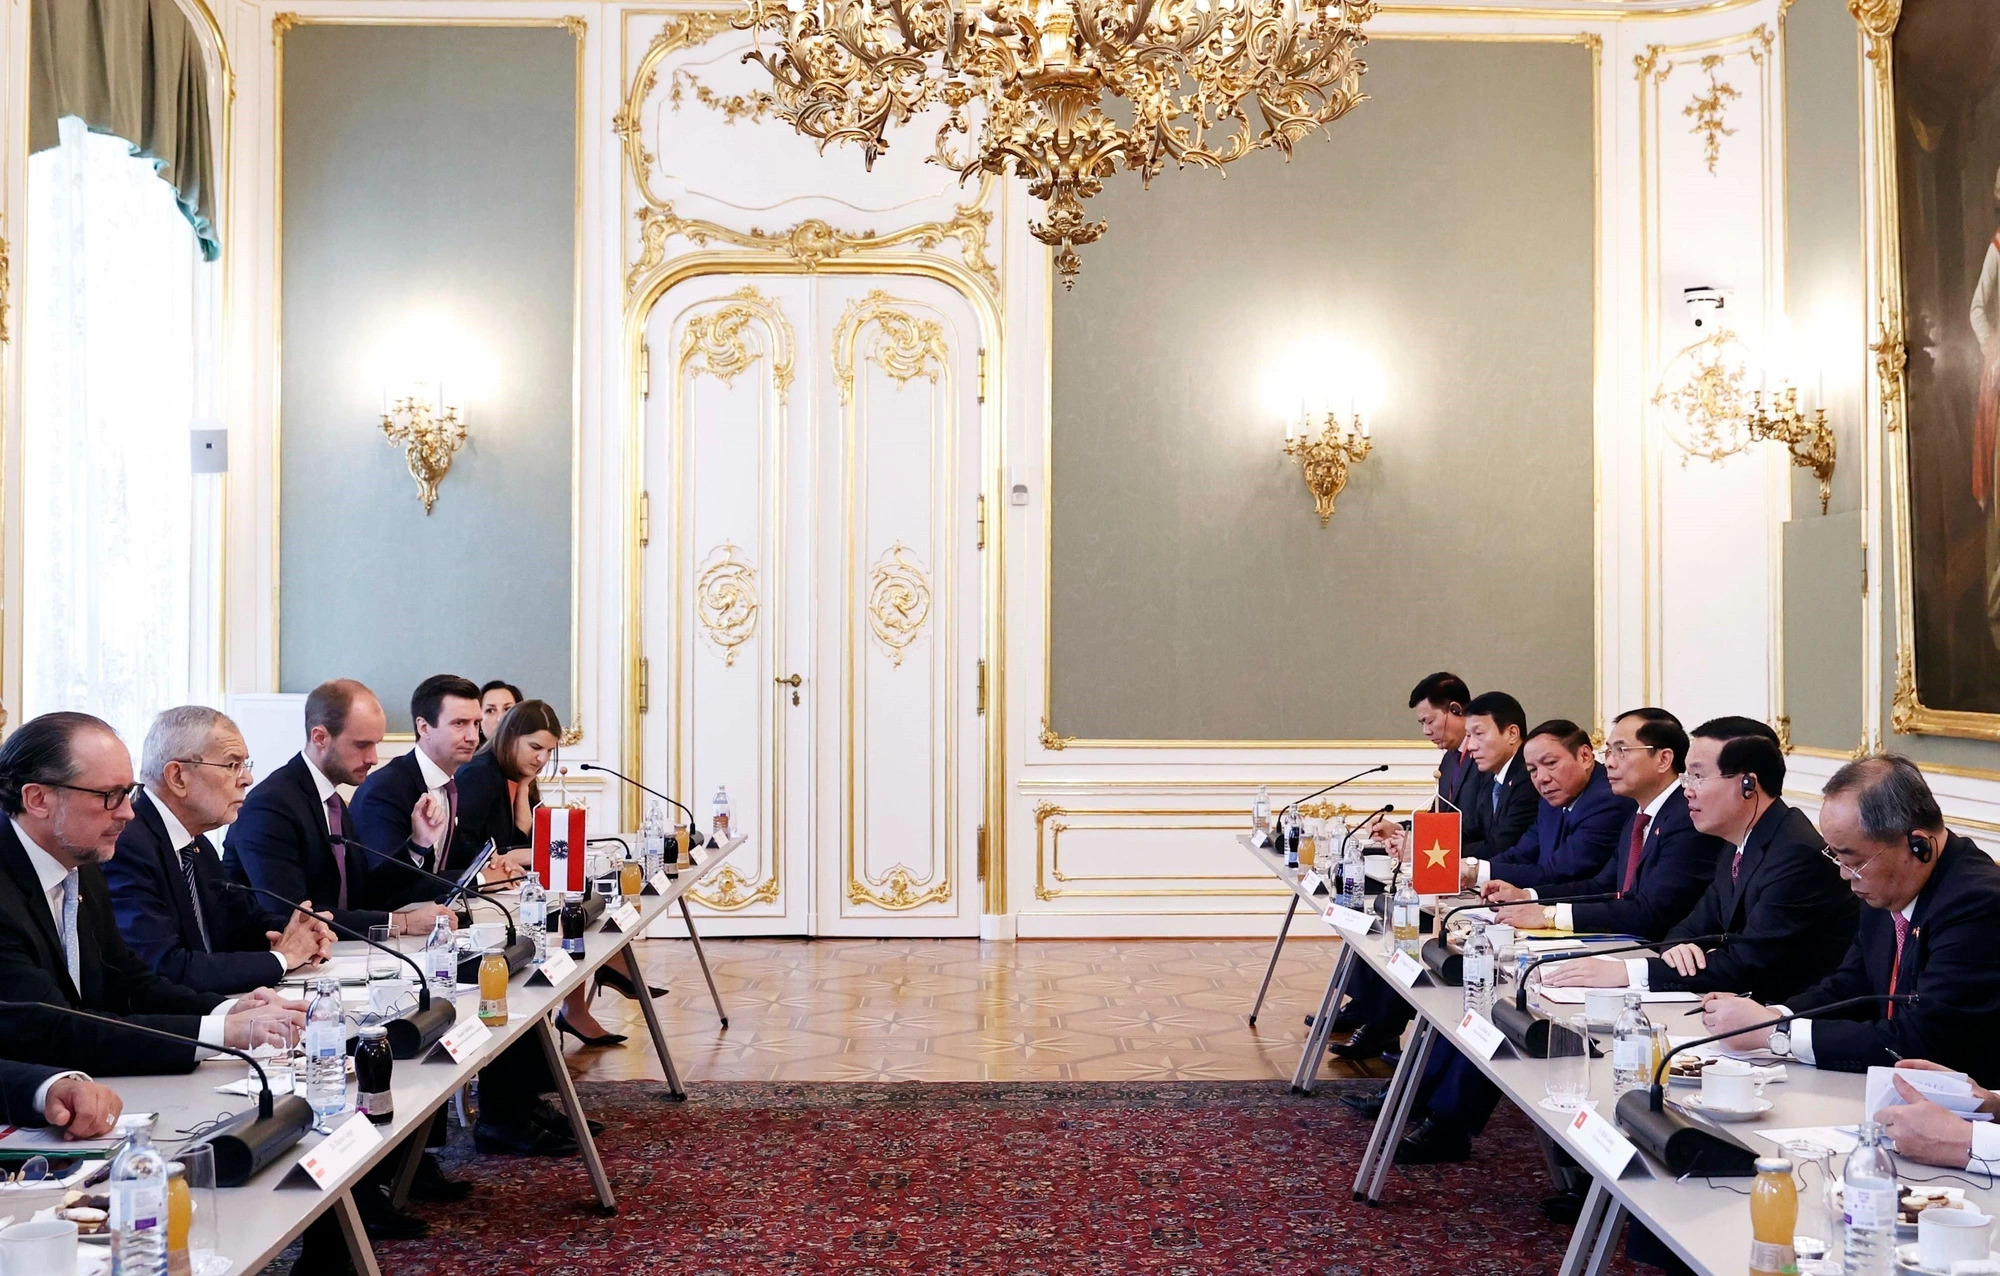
{"x":813,"y":595}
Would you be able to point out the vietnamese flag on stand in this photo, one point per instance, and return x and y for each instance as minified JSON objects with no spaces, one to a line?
{"x":1434,"y":852}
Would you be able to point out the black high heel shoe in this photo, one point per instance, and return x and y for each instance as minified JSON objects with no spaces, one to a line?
{"x":621,"y":983}
{"x":605,"y":1041}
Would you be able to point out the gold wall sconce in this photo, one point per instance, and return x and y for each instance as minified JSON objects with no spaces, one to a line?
{"x":430,"y":431}
{"x":1806,"y":437}
{"x":1325,"y":461}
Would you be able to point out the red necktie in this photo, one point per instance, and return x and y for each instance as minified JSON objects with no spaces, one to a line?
{"x":1902,"y":934}
{"x":1736,"y":864}
{"x":1639,"y":823}
{"x":336,"y":824}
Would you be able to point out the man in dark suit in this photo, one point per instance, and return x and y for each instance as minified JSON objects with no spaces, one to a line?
{"x":1577,"y":817}
{"x":1930,"y":909}
{"x":166,"y":881}
{"x":1660,"y":863}
{"x":1665,"y":865}
{"x":411,"y":804}
{"x":1495,"y":727}
{"x":282,"y":839}
{"x":1787,"y":913}
{"x":66,"y":783}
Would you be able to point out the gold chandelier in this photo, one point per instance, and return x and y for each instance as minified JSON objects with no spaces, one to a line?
{"x":1203,"y":82}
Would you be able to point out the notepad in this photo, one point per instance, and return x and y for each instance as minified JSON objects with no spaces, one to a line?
{"x":1574,"y":996}
{"x":1951,"y":1091}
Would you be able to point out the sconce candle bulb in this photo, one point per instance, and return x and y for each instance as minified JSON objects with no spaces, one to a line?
{"x":1807,"y":437}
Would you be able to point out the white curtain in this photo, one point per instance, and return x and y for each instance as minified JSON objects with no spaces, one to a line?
{"x":113,"y":340}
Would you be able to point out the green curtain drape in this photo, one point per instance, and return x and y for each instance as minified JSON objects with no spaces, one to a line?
{"x":133,"y":69}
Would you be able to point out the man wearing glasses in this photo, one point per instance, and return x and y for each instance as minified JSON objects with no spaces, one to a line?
{"x":1930,"y":909}
{"x":166,"y":880}
{"x":1784,"y":908}
{"x":66,"y":786}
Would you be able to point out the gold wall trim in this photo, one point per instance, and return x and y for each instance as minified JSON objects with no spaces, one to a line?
{"x":715,"y":342}
{"x":680,"y":31}
{"x":1051,"y":739}
{"x":1049,"y":828}
{"x":280,"y":24}
{"x":899,"y":601}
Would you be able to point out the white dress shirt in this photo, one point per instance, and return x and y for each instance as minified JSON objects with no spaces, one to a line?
{"x":326,"y":788}
{"x":51,"y":874}
{"x":1985,"y":1144}
{"x":183,"y":843}
{"x":434,"y":781}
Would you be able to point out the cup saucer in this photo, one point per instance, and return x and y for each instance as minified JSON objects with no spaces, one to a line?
{"x":1906,"y":1261}
{"x":1694,"y":1103}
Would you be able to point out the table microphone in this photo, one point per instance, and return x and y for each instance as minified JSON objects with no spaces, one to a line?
{"x":244,"y":1143}
{"x":1382,"y":766}
{"x":1447,"y":966}
{"x":1693,"y":1148}
{"x":694,"y":831}
{"x":519,"y":952}
{"x":1528,"y":1031}
{"x":409,"y":1035}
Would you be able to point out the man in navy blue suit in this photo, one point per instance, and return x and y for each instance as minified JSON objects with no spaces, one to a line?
{"x":1576,"y":822}
{"x":409,"y":807}
{"x":167,"y":881}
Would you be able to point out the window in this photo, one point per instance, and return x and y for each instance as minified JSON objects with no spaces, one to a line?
{"x":119,"y":536}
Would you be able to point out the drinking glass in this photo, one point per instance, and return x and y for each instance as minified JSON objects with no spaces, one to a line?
{"x":274,"y":1043}
{"x":1569,"y":1063}
{"x":1816,"y":1236}
{"x":197,"y":1163}
{"x":386,"y":976}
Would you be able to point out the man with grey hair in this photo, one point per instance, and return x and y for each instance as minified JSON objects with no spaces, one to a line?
{"x":167,"y":882}
{"x":1930,"y":909}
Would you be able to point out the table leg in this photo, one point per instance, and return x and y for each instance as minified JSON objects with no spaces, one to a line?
{"x":1609,"y":1232}
{"x":1419,"y":1053}
{"x":1276,"y":948}
{"x":1406,"y":1076}
{"x":355,"y":1234}
{"x":1596,"y":1203}
{"x":675,"y":1090}
{"x":702,"y":957}
{"x":579,"y":1126}
{"x":406,"y":1173}
{"x":1322,"y":1028}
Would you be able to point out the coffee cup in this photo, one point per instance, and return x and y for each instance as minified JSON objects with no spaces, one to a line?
{"x":1603,"y":1005}
{"x":34,"y":1249}
{"x":1950,"y":1235}
{"x":1727,"y":1086}
{"x":487,"y":935}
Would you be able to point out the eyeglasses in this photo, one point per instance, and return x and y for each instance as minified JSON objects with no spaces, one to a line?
{"x":1846,"y":869}
{"x":1618,"y":749}
{"x":112,"y":798}
{"x":238,"y":769}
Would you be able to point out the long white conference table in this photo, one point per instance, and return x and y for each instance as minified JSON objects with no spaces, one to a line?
{"x":1706,"y":1224}
{"x":262,"y":1217}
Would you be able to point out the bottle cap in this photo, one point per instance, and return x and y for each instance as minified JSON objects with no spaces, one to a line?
{"x":373,"y":1031}
{"x":494,"y":950}
{"x":1773,"y":1165}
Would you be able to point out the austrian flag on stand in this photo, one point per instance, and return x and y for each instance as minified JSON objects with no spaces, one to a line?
{"x":1434,"y":852}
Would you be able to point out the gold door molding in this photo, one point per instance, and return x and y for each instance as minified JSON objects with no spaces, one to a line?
{"x":907,"y":347}
{"x":721,"y":339}
{"x":1051,"y":882}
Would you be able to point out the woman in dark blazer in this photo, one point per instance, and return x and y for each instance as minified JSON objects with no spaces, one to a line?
{"x":497,"y":796}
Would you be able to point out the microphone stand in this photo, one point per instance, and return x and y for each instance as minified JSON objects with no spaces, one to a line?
{"x":1448,"y":967}
{"x":245,"y":1143}
{"x":1696,"y":1148}
{"x":1382,"y":766}
{"x":519,"y":952}
{"x":411,"y":1034}
{"x":694,"y":832}
{"x":1528,"y":1031}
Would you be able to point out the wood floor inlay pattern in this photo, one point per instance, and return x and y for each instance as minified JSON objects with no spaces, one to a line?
{"x":963,"y":1010}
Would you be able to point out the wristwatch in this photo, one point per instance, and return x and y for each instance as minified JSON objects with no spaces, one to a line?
{"x":1781,"y":1043}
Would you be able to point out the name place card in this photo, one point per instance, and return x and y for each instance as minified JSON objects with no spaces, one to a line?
{"x":1480,"y":1035}
{"x":661,"y":884}
{"x":1405,"y":969}
{"x":464,"y":1038}
{"x":1351,"y":920}
{"x":622,"y":920}
{"x":1598,"y":1142}
{"x":339,"y":1151}
{"x":555,"y":966}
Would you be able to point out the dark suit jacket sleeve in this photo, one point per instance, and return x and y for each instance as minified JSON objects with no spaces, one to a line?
{"x":150,"y":923}
{"x":1682,"y":866}
{"x":18,"y":1084}
{"x":59,"y":1040}
{"x":1516,"y":815}
{"x":1773,"y":953}
{"x":266,"y":849}
{"x":1521,"y":853}
{"x":381,"y":815}
{"x":1592,"y":836}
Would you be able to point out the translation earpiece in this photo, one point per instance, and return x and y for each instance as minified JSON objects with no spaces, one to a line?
{"x":1749,"y":786}
{"x":1920,"y":848}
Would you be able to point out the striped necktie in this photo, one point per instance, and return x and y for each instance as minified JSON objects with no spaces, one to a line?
{"x":188,"y":854}
{"x":71,"y":956}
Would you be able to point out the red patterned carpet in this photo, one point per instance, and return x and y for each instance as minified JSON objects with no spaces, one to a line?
{"x":1012,"y":1179}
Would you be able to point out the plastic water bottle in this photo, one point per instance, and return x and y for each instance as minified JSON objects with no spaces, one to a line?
{"x":1353,"y":889}
{"x":535,"y":916}
{"x":1868,"y":1206}
{"x":718,"y":815}
{"x":1476,"y":972}
{"x":326,"y":1052}
{"x":138,"y":1193}
{"x":440,"y":959}
{"x":653,"y":840}
{"x":1632,"y":1047}
{"x":1260,"y":812}
{"x":1406,"y":917}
